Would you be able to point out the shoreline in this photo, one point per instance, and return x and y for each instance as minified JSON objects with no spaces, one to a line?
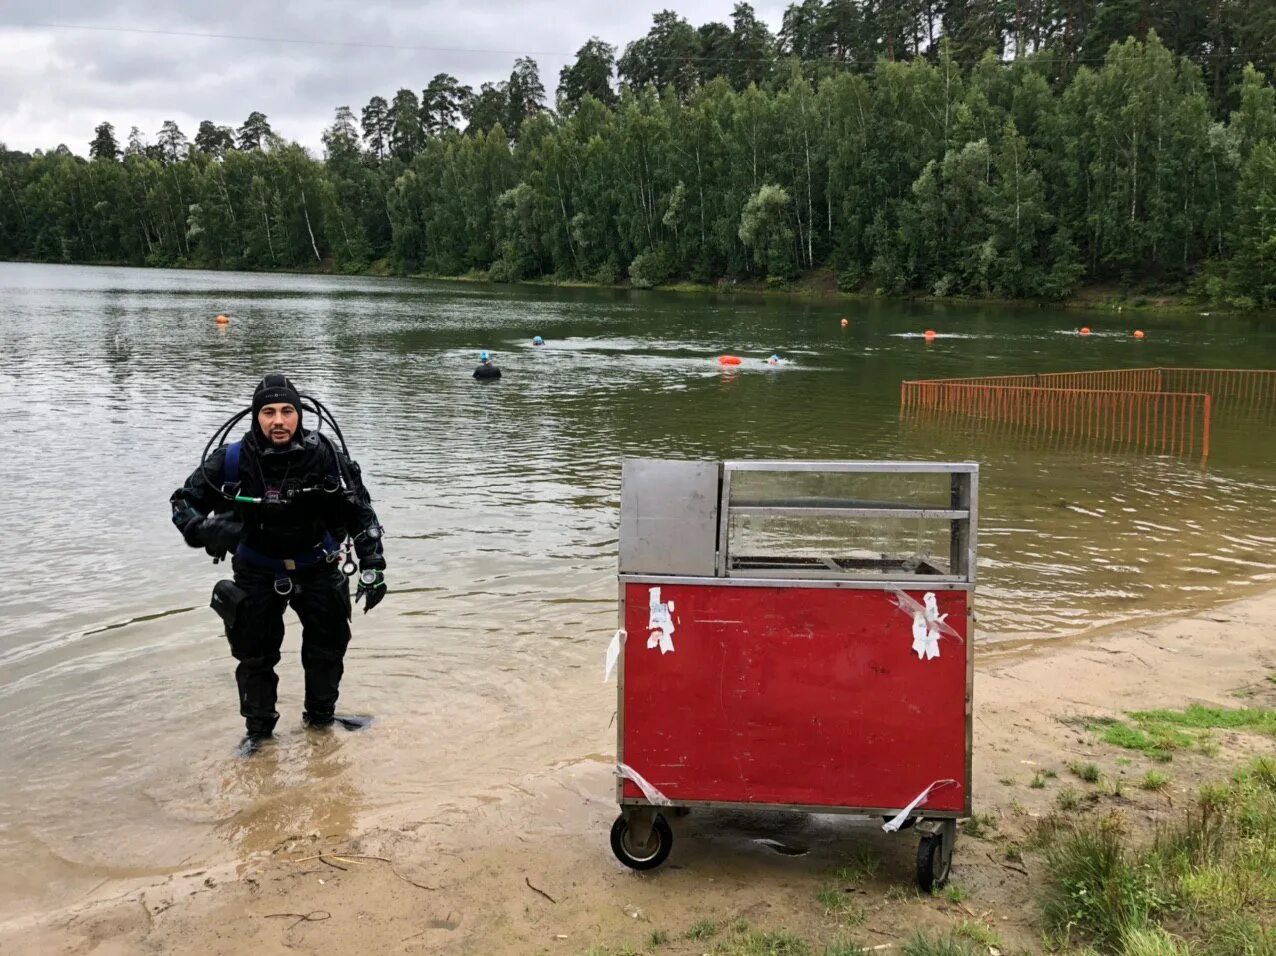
{"x":815,"y":286}
{"x":525,"y":867}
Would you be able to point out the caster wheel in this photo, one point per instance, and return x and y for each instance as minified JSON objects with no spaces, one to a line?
{"x":933,"y":865}
{"x":641,"y":857}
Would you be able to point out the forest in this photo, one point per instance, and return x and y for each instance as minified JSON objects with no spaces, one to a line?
{"x":1002,"y":148}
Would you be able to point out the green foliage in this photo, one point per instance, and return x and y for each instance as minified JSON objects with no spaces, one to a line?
{"x":1086,"y":771}
{"x":1160,"y":732}
{"x":717,"y":157}
{"x":978,"y":932}
{"x":1100,"y":889}
{"x":862,"y":865}
{"x":744,"y":941}
{"x":659,"y":937}
{"x":1154,"y":780}
{"x":705,"y":929}
{"x":838,"y":905}
{"x":1209,"y":875}
{"x":651,"y":268}
{"x":923,"y":944}
{"x":979,"y":825}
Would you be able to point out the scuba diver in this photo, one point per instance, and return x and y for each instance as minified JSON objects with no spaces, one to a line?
{"x":485,"y":368}
{"x":283,"y":500}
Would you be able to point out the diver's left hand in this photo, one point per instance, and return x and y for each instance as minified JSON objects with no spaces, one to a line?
{"x":371,"y":584}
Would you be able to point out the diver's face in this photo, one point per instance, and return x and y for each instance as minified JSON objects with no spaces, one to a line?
{"x":278,"y":422}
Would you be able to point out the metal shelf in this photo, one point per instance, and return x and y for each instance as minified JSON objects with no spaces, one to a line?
{"x":849,"y":511}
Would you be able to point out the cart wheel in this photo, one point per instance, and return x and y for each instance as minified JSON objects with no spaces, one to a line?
{"x":933,"y":864}
{"x":646,"y":857}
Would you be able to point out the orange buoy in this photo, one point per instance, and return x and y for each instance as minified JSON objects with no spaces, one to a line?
{"x":1085,"y":330}
{"x":1138,"y":333}
{"x":845,"y":323}
{"x":729,"y":360}
{"x":929,"y":334}
{"x":222,"y":320}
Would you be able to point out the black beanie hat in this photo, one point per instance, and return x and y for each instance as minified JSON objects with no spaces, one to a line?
{"x":273,"y":389}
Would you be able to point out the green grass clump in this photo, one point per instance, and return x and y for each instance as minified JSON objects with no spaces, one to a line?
{"x":1100,"y":890}
{"x":1154,"y":780}
{"x":979,"y":825}
{"x":752,"y":942}
{"x":1068,"y":799}
{"x":1258,"y":719}
{"x":1038,"y":781}
{"x":979,"y":932}
{"x":705,"y":929}
{"x":1086,"y":771}
{"x":1160,"y":732}
{"x":954,"y":893}
{"x":923,"y":944}
{"x":1209,"y":876}
{"x":844,"y":947}
{"x":1152,"y":942}
{"x":658,"y":938}
{"x":838,"y":905}
{"x":862,"y":865}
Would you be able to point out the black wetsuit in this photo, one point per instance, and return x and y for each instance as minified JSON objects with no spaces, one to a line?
{"x":311,"y":519}
{"x":487,"y":370}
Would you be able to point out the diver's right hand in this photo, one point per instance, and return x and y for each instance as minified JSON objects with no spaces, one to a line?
{"x":220,"y":534}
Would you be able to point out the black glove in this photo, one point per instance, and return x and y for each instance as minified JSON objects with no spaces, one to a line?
{"x":371,"y":582}
{"x":220,"y":534}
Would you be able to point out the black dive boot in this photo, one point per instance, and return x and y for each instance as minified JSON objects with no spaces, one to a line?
{"x":324,"y":721}
{"x":252,"y":743}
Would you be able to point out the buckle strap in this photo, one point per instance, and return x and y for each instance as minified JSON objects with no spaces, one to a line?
{"x":282,"y":566}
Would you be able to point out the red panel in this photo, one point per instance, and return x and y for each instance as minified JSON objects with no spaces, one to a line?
{"x":795,"y":696}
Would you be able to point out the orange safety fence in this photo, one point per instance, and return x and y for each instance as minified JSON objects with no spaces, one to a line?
{"x":1162,"y":409}
{"x":1234,"y":387}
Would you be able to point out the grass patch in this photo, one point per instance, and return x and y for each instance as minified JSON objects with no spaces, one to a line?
{"x":979,"y":932}
{"x":1158,"y":733}
{"x":924,"y":944}
{"x":955,"y":893}
{"x":1154,"y":780}
{"x":1208,"y":877}
{"x":752,"y":942}
{"x":862,"y":865}
{"x":902,"y":894}
{"x":1152,"y":942}
{"x":844,"y":947}
{"x":1086,"y":771}
{"x":1038,"y":782}
{"x":1113,"y":786}
{"x":1006,"y":781}
{"x":658,"y":938}
{"x":705,"y":929}
{"x":839,"y":906}
{"x":1068,"y":799}
{"x":979,"y":826}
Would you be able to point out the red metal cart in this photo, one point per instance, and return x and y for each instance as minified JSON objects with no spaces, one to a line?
{"x":796,"y":636}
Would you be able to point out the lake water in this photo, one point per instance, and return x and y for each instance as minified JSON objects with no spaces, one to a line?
{"x":500,"y":504}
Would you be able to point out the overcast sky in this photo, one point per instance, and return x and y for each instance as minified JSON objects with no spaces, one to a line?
{"x":58,"y":83}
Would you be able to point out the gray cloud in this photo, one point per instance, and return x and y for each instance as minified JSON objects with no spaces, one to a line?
{"x":56,"y":84}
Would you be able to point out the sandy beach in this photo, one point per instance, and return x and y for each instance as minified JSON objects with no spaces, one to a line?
{"x":527,"y":868}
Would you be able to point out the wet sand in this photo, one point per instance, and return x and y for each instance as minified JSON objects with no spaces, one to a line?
{"x":524,"y":865}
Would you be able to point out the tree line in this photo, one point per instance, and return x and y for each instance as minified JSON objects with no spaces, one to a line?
{"x":970,"y":147}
